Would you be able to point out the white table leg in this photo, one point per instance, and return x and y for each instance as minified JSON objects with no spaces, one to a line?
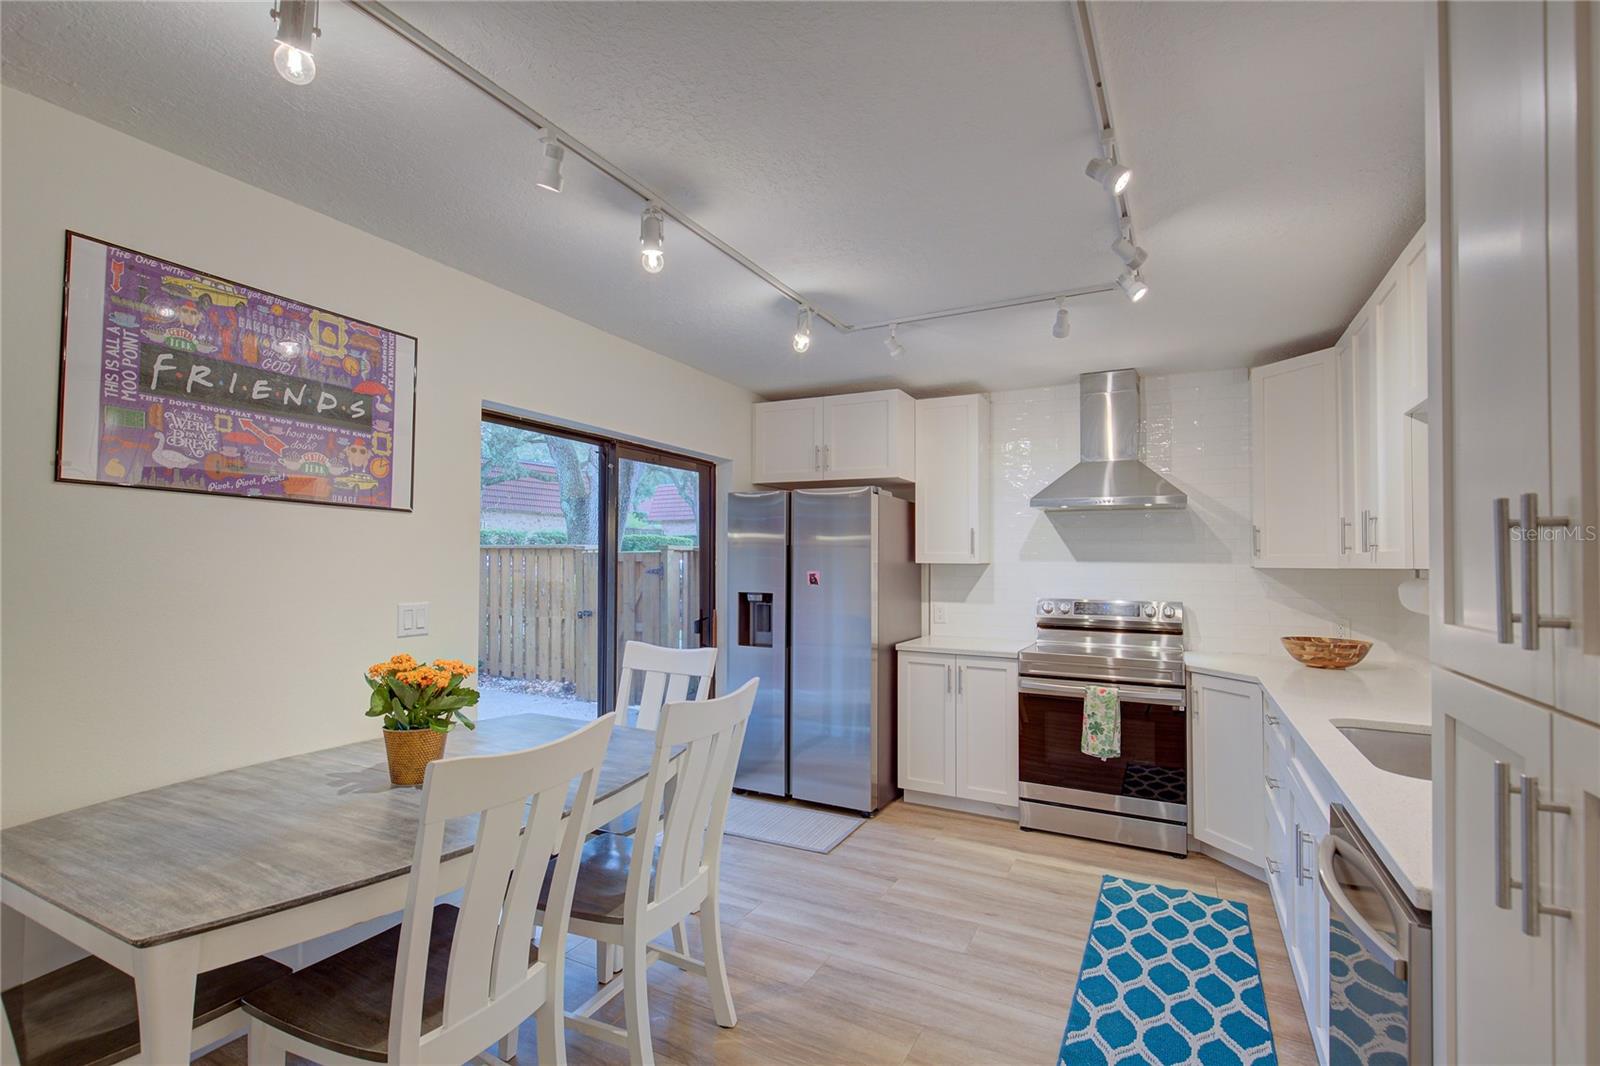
{"x":164,"y":978}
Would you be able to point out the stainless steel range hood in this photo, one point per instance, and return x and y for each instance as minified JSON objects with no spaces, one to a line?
{"x":1109,"y":474}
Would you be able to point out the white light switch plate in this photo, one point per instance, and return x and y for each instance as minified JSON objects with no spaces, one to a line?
{"x":411,"y":620}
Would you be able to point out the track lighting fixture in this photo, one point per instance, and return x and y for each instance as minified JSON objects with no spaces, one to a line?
{"x":1114,"y":176}
{"x":1062,"y":327}
{"x":297,"y":32}
{"x":651,"y":226}
{"x":1132,"y":286}
{"x":896,"y":349}
{"x":802,"y":331}
{"x":550,"y":165}
{"x":1130,"y":253}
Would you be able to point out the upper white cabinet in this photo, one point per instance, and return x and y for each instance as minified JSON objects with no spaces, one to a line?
{"x":952,"y":512}
{"x":1512,"y":363}
{"x":865,"y":436}
{"x":1334,"y":459}
{"x":1227,"y":773}
{"x":787,"y":439}
{"x":1295,"y":462}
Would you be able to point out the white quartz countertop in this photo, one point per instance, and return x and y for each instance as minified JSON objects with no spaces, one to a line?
{"x":1394,"y":811}
{"x":997,"y":647}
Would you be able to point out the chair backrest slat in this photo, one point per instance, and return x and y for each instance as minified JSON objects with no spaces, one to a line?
{"x":697,"y":751}
{"x":518,"y":799}
{"x":666,"y":673}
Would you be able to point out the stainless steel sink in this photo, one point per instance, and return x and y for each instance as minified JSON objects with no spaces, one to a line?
{"x":1395,"y":750}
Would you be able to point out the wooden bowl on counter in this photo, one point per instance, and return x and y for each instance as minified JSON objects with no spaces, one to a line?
{"x":1327,"y":653}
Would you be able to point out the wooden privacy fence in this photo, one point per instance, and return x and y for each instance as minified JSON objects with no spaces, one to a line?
{"x":537,"y":608}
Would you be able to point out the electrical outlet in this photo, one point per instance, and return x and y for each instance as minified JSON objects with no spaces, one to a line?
{"x":411,"y":620}
{"x":938,"y":614}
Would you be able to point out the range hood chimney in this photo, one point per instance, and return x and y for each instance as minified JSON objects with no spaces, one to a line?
{"x":1109,"y":475}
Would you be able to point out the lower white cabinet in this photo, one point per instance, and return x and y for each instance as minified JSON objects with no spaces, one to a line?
{"x":957,"y":729}
{"x":1514,"y":930}
{"x":1225,"y":738}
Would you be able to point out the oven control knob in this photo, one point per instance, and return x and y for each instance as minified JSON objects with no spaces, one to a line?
{"x":1046,"y":607}
{"x":1167,"y":611}
{"x":1149,"y":610}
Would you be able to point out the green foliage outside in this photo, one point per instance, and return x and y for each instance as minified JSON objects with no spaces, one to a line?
{"x":631,"y":542}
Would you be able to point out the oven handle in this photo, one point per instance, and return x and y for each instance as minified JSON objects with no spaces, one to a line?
{"x":1175,"y":697}
{"x":1393,"y":959}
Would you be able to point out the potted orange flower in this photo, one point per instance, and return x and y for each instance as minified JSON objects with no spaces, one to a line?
{"x":419,"y":704}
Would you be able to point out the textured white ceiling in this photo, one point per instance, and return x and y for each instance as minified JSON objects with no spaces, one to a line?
{"x":882,"y":158}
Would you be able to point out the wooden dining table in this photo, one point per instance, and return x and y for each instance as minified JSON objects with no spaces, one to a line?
{"x":172,"y":882}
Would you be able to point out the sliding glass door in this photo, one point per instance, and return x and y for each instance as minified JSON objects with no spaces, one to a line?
{"x":585,"y":543}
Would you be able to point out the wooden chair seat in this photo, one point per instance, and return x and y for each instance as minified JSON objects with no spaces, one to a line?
{"x":602,"y":879}
{"x":86,"y":1013}
{"x":342,"y":1003}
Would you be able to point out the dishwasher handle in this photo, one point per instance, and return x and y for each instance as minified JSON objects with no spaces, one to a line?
{"x":1392,"y":956}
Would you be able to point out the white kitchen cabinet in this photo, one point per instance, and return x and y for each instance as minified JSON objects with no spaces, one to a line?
{"x":958,"y":726}
{"x":1227,"y":766}
{"x":986,"y":730}
{"x":1413,"y":268}
{"x":1357,"y":447}
{"x":953,"y":491}
{"x":1307,"y":938}
{"x":787,"y":441}
{"x":1494,"y":988}
{"x":1512,"y":399}
{"x":927,"y":723}
{"x":864,"y":436}
{"x":1386,"y":500}
{"x":1295,"y":462}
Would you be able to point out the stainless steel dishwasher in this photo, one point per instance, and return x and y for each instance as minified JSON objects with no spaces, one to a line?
{"x":1380,"y":956}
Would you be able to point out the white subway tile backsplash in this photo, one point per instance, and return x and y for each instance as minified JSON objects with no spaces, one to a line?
{"x":1197,"y":432}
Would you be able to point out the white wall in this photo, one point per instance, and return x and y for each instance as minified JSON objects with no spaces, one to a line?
{"x":155,"y":636}
{"x":1197,"y":432}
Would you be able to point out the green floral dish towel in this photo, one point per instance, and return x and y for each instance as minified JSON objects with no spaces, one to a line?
{"x":1102,"y":722}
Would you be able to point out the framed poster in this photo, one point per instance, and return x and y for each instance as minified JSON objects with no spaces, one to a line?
{"x":174,"y":379}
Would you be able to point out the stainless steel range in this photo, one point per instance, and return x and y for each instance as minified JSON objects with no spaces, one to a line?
{"x":1142,"y":797}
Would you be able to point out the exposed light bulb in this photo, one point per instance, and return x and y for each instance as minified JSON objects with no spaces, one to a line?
{"x":1133,"y":286}
{"x":550,"y":165}
{"x":651,"y":235}
{"x":297,"y":32}
{"x":1130,"y":253}
{"x":892,"y":342}
{"x":802,"y":331}
{"x":1114,"y":176}
{"x":1062,"y":327}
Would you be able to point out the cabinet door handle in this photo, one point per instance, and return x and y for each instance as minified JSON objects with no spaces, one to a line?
{"x":1503,"y":884}
{"x":947,"y":679}
{"x":827,"y":457}
{"x":1272,"y":782}
{"x":1344,"y":540}
{"x":1273,"y":865}
{"x":1255,"y":540}
{"x":972,"y":540}
{"x":1532,"y":907}
{"x":1503,"y":616}
{"x":816,"y":460}
{"x":1301,"y":839}
{"x":1272,"y":719}
{"x":1532,"y":522}
{"x":1372,"y":520}
{"x":1365,"y":545}
{"x":961,"y":679}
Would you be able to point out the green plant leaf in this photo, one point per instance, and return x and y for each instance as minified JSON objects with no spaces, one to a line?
{"x":438,"y":726}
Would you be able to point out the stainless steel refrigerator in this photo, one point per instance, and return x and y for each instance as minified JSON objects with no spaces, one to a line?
{"x":821,"y":587}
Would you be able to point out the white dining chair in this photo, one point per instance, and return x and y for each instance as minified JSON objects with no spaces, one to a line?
{"x":661,"y":674}
{"x":664,"y":675}
{"x":624,"y":898}
{"x":450,"y":982}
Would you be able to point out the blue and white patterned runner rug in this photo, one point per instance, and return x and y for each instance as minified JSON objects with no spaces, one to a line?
{"x":1168,"y":976}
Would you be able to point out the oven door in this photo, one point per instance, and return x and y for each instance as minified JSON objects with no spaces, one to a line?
{"x":1149,"y":779}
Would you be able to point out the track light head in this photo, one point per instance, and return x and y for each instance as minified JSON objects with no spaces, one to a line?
{"x":1130,"y":253}
{"x":892,"y":342}
{"x":1062,"y":327}
{"x":651,"y":235}
{"x":1133,"y":286}
{"x":550,"y":164}
{"x":297,"y":31}
{"x":802,"y":331}
{"x":1114,"y":176}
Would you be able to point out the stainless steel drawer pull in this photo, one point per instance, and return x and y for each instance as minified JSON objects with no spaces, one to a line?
{"x":1255,"y":539}
{"x":1503,"y":884}
{"x":1527,"y":787}
{"x":1272,"y":782}
{"x":947,"y":679}
{"x":1366,"y":523}
{"x":1344,"y":541}
{"x":1301,"y":839}
{"x":1272,"y":719}
{"x":1501,"y":506}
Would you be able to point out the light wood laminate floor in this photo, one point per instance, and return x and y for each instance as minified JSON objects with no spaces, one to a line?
{"x":927,"y":937}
